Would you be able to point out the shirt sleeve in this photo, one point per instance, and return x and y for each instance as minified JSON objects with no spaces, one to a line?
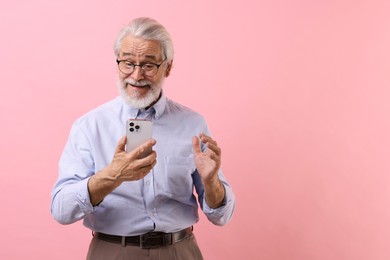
{"x":70,"y":200}
{"x":222,"y":215}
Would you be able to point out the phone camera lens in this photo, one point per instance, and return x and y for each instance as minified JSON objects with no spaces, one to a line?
{"x":131,"y":129}
{"x":131,"y":124}
{"x":137,"y":127}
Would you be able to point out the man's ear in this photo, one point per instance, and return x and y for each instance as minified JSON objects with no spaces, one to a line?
{"x":168,"y":70}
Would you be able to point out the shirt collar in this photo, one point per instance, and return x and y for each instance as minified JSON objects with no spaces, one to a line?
{"x":157,"y":109}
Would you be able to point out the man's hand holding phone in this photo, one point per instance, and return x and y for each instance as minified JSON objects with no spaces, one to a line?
{"x":133,"y":165}
{"x":134,"y":156}
{"x":125,"y":166}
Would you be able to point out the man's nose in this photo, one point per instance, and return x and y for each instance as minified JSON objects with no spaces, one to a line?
{"x":137,"y":73}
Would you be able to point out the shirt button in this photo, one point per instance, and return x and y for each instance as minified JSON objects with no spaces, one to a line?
{"x":147,"y":182}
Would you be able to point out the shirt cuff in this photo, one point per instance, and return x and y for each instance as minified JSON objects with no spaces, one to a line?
{"x":83,"y":198}
{"x":221,"y":215}
{"x":209,"y":210}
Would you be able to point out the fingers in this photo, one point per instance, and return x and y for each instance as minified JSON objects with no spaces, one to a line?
{"x":140,"y":150}
{"x":214,"y":148}
{"x":213,"y":152}
{"x":145,"y":170}
{"x":129,"y":166}
{"x":210,"y":144}
{"x":145,"y":162}
{"x":139,"y":168}
{"x":196,"y":145}
{"x":121,"y":144}
{"x":207,"y":139}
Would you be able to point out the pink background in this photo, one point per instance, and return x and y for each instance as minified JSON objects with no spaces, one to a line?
{"x":296,"y":92}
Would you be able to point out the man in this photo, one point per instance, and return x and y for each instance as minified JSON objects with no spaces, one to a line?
{"x":141,"y":208}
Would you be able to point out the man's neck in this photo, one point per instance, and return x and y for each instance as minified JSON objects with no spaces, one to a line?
{"x":154,"y":102}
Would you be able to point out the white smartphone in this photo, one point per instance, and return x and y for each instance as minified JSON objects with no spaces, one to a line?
{"x":138,"y":131}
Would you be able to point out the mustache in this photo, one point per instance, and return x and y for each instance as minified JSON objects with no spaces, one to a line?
{"x":140,"y":83}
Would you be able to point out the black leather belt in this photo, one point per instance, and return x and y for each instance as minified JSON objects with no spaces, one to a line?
{"x":148,"y":240}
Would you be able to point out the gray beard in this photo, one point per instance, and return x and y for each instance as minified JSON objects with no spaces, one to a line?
{"x":140,"y":102}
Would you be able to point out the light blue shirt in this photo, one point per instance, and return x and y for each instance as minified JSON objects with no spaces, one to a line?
{"x":162,"y":201}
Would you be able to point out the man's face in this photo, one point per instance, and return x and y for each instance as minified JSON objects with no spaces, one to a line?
{"x":137,"y":88}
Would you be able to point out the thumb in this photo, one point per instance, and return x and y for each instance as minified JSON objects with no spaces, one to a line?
{"x":120,"y":147}
{"x":196,"y":144}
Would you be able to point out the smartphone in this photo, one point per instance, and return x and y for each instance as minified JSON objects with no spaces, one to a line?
{"x":138,"y":131}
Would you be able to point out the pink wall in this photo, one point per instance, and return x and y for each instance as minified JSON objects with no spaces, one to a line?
{"x":296,"y":92}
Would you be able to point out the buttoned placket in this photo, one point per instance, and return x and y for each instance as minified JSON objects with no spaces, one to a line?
{"x":148,"y":188}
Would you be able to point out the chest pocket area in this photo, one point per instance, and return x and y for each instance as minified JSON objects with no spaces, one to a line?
{"x":178,"y":175}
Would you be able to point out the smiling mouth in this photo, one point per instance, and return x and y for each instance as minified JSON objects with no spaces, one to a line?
{"x":140,"y":87}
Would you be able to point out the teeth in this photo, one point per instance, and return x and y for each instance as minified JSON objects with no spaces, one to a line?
{"x":138,"y":86}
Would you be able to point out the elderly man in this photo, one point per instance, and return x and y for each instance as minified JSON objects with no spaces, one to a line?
{"x":141,"y":207}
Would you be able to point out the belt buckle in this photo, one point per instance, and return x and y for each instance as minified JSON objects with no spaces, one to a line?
{"x":155,"y":239}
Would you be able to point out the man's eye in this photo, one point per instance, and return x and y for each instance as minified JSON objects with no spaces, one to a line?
{"x":128,"y":64}
{"x":148,"y":66}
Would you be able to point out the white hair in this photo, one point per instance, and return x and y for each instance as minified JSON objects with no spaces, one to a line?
{"x":149,"y":29}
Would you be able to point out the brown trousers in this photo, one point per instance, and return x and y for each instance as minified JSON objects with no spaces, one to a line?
{"x":187,"y":249}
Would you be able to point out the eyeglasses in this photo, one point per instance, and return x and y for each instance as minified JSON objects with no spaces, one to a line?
{"x":149,"y":69}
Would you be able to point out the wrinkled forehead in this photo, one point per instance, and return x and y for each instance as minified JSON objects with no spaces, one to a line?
{"x":139,"y":48}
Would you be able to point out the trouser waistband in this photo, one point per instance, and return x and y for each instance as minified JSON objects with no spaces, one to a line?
{"x":148,"y":240}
